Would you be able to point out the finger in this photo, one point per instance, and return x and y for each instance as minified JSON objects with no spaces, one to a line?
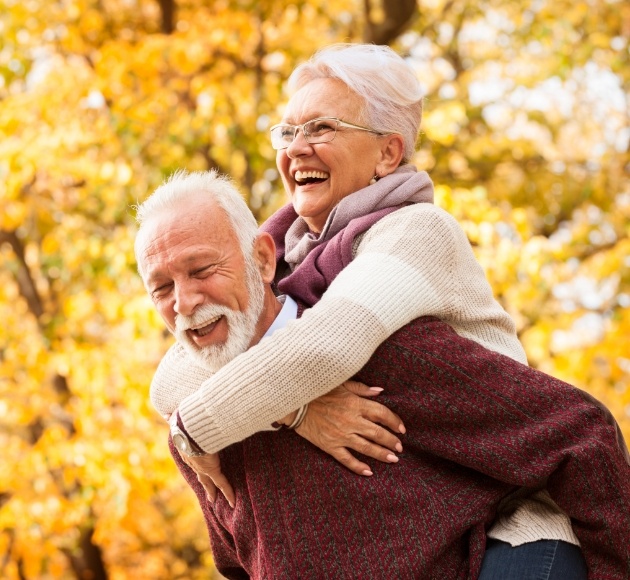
{"x":378,"y":413}
{"x":348,"y":460}
{"x":224,"y":487}
{"x":361,"y":389}
{"x":372,"y":450}
{"x":379,"y":436}
{"x":208,"y":486}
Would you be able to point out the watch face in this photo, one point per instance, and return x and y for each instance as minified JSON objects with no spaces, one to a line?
{"x":180,"y":442}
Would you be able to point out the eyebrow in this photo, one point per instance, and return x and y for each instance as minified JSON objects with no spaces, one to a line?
{"x":187,"y":261}
{"x":317,"y":116}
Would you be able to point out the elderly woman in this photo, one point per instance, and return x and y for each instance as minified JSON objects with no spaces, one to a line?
{"x":343,"y":151}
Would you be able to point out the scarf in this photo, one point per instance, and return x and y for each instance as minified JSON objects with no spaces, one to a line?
{"x":315,"y":260}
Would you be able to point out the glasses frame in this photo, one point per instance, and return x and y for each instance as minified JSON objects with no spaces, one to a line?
{"x":340,"y":123}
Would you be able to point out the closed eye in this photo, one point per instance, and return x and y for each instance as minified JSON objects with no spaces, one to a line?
{"x":161,"y":291}
{"x":206,"y":270}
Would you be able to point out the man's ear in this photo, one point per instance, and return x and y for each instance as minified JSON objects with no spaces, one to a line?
{"x":265,"y":256}
{"x":392,"y":150}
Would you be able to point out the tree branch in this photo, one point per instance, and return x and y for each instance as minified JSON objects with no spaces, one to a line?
{"x":398,"y":17}
{"x":23,"y":276}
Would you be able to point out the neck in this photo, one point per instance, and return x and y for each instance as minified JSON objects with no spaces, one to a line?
{"x":271,"y":309}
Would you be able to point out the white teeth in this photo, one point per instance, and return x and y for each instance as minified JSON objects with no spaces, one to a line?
{"x":200,"y":329}
{"x":302,"y":175}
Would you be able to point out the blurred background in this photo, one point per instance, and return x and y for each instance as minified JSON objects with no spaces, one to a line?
{"x":525,"y":134}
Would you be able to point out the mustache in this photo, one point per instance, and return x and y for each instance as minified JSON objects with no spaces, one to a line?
{"x":200,"y":317}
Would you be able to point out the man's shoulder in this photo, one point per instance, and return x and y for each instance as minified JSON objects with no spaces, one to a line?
{"x":430,"y":339}
{"x":423,"y":330}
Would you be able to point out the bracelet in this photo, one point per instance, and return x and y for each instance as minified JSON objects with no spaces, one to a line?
{"x":299,"y":417}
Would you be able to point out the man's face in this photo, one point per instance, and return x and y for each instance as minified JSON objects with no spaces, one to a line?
{"x":209,"y":295}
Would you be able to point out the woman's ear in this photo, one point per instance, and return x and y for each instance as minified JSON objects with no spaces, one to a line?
{"x":265,"y":256}
{"x":392,"y":151}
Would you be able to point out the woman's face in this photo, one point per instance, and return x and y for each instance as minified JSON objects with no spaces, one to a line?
{"x":318,"y":176}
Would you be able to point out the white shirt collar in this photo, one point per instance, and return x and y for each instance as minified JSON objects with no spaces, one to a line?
{"x":288,"y":312}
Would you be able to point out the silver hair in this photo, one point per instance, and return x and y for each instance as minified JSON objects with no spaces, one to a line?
{"x":390,"y":90}
{"x":182,"y":187}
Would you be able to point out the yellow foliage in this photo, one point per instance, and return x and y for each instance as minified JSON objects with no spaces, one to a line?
{"x":443,"y":123}
{"x":98,"y":105}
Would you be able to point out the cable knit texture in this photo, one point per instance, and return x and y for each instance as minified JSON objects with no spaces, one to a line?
{"x":298,"y":514}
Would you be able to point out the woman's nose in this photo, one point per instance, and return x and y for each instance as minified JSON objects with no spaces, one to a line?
{"x":299,"y":146}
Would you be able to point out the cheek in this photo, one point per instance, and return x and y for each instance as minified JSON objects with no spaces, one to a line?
{"x":167,"y":312}
{"x":282,"y":162}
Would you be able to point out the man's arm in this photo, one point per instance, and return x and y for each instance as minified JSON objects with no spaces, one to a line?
{"x":224,"y":552}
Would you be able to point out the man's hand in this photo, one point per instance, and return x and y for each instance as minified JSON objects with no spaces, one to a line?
{"x":344,"y":419}
{"x":208,"y":470}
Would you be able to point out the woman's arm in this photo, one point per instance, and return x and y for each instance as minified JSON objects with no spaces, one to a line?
{"x":408,"y":265}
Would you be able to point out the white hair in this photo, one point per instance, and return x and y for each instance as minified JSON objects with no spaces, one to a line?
{"x":183,"y":187}
{"x":390,"y":90}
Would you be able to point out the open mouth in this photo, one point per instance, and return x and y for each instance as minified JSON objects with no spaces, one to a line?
{"x":206,"y":328}
{"x":305,"y":177}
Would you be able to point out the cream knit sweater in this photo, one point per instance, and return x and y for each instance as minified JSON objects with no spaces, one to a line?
{"x":414,"y":262}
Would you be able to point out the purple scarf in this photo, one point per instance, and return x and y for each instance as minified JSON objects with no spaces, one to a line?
{"x":315,"y":260}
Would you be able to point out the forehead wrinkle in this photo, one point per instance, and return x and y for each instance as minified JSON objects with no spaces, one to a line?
{"x":340,"y":101}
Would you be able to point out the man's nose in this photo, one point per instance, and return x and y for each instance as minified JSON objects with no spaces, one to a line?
{"x":188,"y":296}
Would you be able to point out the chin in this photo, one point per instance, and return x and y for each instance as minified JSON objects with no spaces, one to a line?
{"x":213,"y":358}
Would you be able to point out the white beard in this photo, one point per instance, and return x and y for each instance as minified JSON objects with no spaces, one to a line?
{"x":241,"y":325}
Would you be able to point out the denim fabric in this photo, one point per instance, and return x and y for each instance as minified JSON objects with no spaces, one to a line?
{"x":541,"y":560}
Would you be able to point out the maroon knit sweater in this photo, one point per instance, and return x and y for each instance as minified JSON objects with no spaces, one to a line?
{"x":479,"y":425}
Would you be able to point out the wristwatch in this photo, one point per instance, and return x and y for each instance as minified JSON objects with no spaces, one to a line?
{"x":181,"y":440}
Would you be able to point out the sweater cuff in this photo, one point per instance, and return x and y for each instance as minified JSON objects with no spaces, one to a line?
{"x":199,"y":425}
{"x":201,"y":428}
{"x":180,"y":424}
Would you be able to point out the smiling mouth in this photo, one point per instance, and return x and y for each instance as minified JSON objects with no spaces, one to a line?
{"x":305,"y":177}
{"x":206,"y":328}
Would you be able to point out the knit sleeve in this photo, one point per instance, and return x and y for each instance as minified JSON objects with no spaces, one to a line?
{"x":407,"y":266}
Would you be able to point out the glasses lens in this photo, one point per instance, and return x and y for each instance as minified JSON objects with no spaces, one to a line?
{"x":320,"y":130}
{"x":282,"y":136}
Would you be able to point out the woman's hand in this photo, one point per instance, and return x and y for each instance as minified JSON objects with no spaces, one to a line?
{"x":345,"y":419}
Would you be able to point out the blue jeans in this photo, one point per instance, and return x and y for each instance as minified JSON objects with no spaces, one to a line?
{"x":541,"y":560}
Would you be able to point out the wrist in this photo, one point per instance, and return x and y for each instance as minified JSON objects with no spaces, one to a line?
{"x":298,"y":417}
{"x":181,"y":439}
{"x":288,"y":419}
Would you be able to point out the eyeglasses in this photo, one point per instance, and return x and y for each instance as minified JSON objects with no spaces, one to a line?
{"x":320,"y":130}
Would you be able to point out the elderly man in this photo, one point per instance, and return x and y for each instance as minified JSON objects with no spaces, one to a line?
{"x":480,"y":426}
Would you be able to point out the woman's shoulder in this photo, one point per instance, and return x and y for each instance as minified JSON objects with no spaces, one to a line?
{"x":422,"y":220}
{"x":420,"y":212}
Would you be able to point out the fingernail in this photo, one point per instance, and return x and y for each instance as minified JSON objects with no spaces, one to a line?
{"x":209,"y":498}
{"x":377,"y":389}
{"x":367,"y":472}
{"x":401,"y":428}
{"x":392,"y":458}
{"x":399,"y":447}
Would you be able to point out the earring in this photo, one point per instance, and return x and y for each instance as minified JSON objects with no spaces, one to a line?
{"x":375,"y":179}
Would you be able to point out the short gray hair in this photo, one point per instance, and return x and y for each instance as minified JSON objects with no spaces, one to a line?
{"x":181,"y":187}
{"x":388,"y":86}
